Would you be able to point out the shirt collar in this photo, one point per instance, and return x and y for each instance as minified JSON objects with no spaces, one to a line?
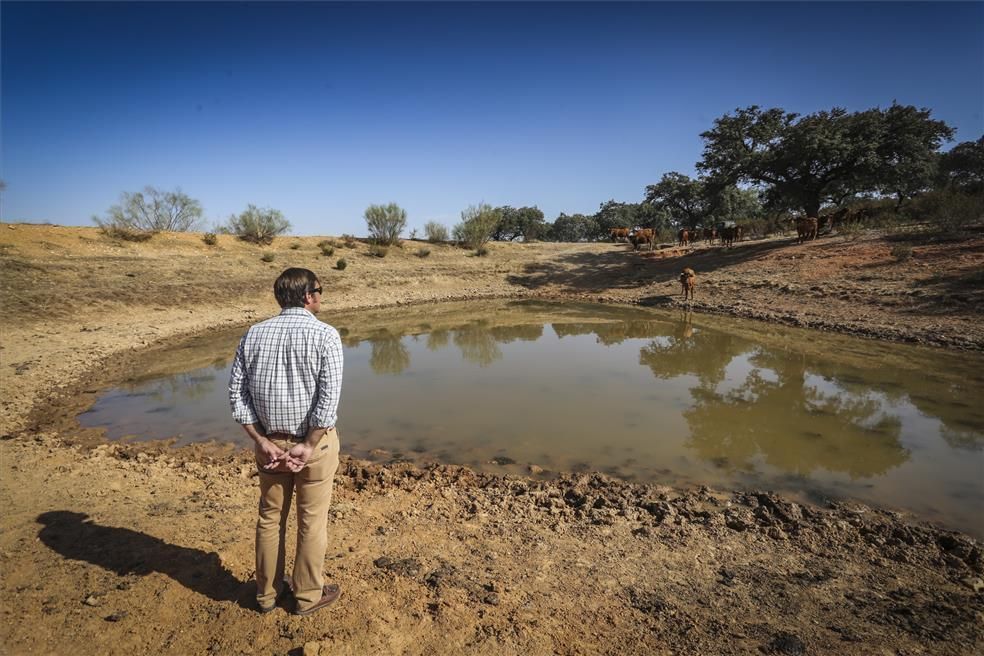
{"x":296,"y":311}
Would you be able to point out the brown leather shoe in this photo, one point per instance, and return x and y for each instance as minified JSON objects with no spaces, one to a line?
{"x":329,"y":593}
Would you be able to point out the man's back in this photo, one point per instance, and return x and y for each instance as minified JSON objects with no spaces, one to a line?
{"x":287,"y":374}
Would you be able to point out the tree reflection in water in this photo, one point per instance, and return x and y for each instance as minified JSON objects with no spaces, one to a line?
{"x":477,"y":343}
{"x":775,"y":413}
{"x":611,"y":333}
{"x":389,"y":355}
{"x":437,"y":339}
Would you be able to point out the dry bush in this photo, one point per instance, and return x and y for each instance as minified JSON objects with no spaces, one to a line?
{"x":210,"y":239}
{"x":378,"y":250}
{"x":423,"y":252}
{"x":141,"y":215}
{"x":268,"y":257}
{"x":125,"y":232}
{"x":341,"y":264}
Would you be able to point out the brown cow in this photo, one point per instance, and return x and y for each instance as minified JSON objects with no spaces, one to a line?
{"x":806,"y":229}
{"x":688,"y":282}
{"x":641,"y":236}
{"x":683,"y":237}
{"x":619,"y":234}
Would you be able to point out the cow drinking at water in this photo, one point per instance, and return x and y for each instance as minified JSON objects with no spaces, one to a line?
{"x":688,"y":283}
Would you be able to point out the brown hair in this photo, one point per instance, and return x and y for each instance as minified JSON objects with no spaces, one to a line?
{"x":292,"y":285}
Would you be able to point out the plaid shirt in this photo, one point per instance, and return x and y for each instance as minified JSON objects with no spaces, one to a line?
{"x":287,"y":375}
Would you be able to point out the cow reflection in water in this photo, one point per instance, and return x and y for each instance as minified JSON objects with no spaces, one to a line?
{"x":776,"y":413}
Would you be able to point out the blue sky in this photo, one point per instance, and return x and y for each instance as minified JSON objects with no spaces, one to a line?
{"x":320,"y":109}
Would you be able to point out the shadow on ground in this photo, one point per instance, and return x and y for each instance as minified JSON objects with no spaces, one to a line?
{"x":626,"y":269}
{"x":127,"y":552}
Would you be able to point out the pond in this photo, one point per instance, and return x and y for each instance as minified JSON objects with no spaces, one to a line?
{"x":643,"y":394}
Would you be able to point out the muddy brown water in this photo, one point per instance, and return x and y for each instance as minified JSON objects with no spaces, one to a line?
{"x":642,"y":394}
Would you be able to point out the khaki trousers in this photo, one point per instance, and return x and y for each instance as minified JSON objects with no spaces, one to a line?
{"x":313,"y":485}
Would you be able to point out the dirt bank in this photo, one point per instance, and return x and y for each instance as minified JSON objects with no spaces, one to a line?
{"x":145,"y":550}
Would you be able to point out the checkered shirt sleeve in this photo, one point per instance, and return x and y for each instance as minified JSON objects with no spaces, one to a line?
{"x":287,"y":374}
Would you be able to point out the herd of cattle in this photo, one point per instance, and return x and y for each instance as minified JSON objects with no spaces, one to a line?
{"x":807,"y":228}
{"x":727,"y":235}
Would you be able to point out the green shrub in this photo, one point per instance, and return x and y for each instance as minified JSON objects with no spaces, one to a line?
{"x":268,"y":257}
{"x":436,"y":232}
{"x":295,"y":246}
{"x":327,"y":249}
{"x":378,"y":250}
{"x":341,"y":264}
{"x":258,"y":226}
{"x":423,"y":252}
{"x":210,"y":239}
{"x":947,"y":210}
{"x":385,"y":223}
{"x":902,"y":252}
{"x":477,"y":225}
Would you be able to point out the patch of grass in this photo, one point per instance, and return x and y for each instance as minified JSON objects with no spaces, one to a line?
{"x":481,"y":251}
{"x":268,"y":257}
{"x":210,"y":239}
{"x":327,"y":248}
{"x":349,"y":241}
{"x":902,"y":252}
{"x":295,"y":246}
{"x":423,"y":252}
{"x":341,"y":264}
{"x":378,"y":250}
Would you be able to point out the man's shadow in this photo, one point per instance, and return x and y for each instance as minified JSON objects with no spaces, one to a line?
{"x":128,"y":552}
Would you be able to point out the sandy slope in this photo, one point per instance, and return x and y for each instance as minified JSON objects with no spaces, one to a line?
{"x":143,"y":550}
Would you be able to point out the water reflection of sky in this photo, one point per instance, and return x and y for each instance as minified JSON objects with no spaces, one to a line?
{"x":643,"y":395}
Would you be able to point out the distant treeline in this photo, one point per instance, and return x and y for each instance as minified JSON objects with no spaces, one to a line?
{"x":760,"y":168}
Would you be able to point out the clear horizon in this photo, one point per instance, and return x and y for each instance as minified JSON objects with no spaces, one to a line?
{"x":320,"y":109}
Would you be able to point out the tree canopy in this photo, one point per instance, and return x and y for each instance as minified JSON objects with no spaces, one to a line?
{"x":807,"y":161}
{"x":519,"y":223}
{"x":963,"y":166}
{"x":574,"y":227}
{"x":681,"y":197}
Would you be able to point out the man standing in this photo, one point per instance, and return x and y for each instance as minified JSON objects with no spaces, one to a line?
{"x":284,"y":390}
